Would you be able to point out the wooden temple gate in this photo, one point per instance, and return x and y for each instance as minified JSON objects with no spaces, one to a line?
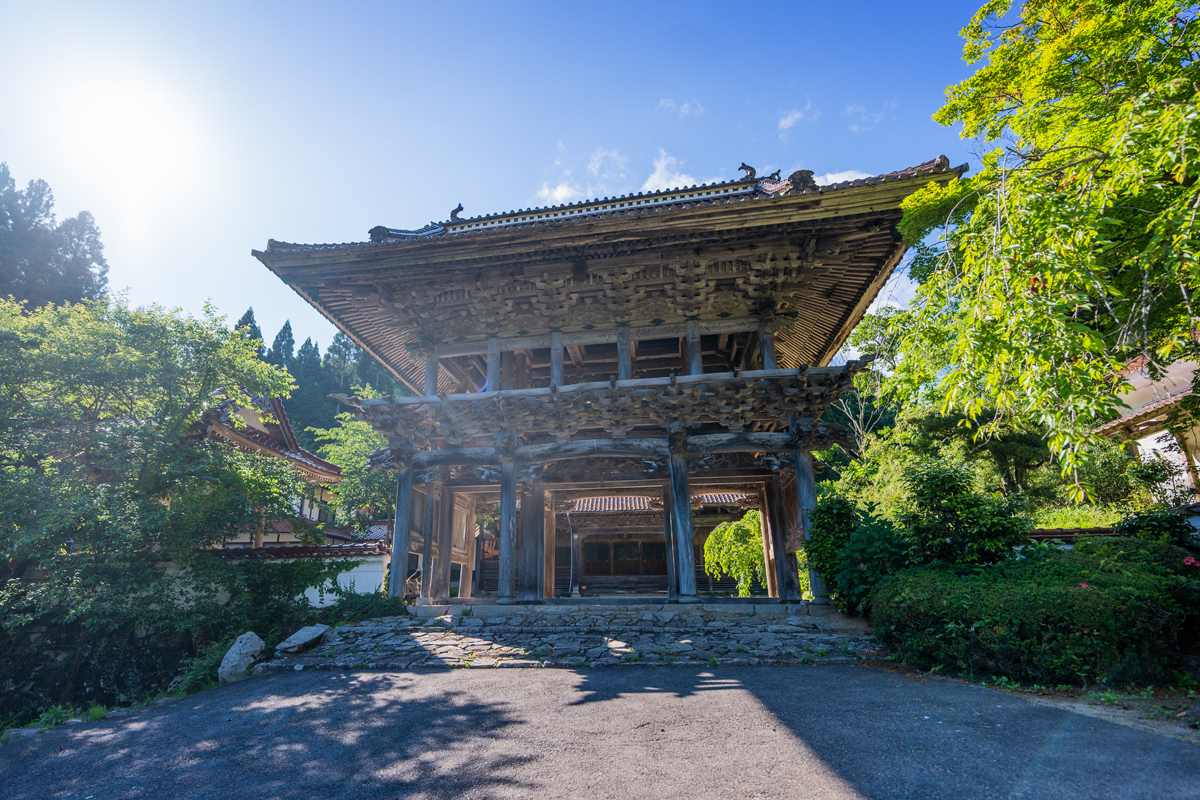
{"x":669,"y":343}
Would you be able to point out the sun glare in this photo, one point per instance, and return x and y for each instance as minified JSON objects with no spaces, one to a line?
{"x":137,"y":137}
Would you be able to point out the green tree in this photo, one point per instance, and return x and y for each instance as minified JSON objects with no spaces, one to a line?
{"x":362,"y":496}
{"x":283,"y":349}
{"x":1075,"y":247}
{"x":871,"y":403}
{"x":736,"y":549}
{"x":248,"y":324}
{"x":43,"y":260}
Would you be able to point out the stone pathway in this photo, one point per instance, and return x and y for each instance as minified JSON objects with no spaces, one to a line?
{"x":487,"y":636}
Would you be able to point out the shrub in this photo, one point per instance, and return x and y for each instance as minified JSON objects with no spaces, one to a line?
{"x":736,"y":549}
{"x":830,"y":524}
{"x":1159,"y":526}
{"x":1050,"y":617}
{"x":872,"y":553}
{"x":947,"y":521}
{"x":353,"y":606}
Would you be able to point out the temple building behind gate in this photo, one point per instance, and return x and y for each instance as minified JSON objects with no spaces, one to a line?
{"x":598,"y":385}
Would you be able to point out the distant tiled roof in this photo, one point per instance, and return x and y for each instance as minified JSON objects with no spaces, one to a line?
{"x":1143,"y":414}
{"x":222,"y":423}
{"x":1067,"y":534}
{"x":306,"y":551}
{"x":588,"y":505}
{"x":626,"y":205}
{"x":375,"y":532}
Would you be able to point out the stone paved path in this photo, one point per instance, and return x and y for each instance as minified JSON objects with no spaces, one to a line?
{"x":573,"y":636}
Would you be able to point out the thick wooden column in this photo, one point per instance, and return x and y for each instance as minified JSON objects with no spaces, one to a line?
{"x":764,"y":525}
{"x":766,"y":343}
{"x":548,"y":541}
{"x":556,"y":359}
{"x":427,"y":545}
{"x":467,"y":574}
{"x":431,"y":372}
{"x":399,"y":567}
{"x":624,"y":355}
{"x":493,"y":364}
{"x":506,"y":589}
{"x":695,"y":359}
{"x":787,"y":577}
{"x":681,"y":517}
{"x":669,"y":536}
{"x":445,"y":537}
{"x":806,"y":489}
{"x":533,"y":505}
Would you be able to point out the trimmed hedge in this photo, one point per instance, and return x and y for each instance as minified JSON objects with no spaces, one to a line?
{"x":1050,"y":617}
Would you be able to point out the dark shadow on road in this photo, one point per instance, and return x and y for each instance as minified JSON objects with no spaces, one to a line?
{"x":341,"y":735}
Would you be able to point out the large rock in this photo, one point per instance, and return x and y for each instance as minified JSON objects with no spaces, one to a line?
{"x":241,"y":657}
{"x":307,"y":637}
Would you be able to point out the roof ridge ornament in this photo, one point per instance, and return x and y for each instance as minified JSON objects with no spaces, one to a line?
{"x":749,"y":170}
{"x":454,"y":214}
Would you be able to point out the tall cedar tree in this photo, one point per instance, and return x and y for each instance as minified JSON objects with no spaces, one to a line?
{"x":42,"y":260}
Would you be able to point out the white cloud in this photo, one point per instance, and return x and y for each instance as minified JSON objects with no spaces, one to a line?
{"x":564,"y":192}
{"x":692,"y":109}
{"x":795,"y":115}
{"x":666,"y":174}
{"x":863,"y":120}
{"x":838,"y":177}
{"x":607,"y":164}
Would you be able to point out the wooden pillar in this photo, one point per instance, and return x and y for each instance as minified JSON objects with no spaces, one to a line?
{"x":431,"y":372}
{"x":445,"y":537}
{"x":493,"y":364}
{"x":764,"y":525}
{"x":556,"y":359}
{"x":1188,"y":462}
{"x":624,"y":355}
{"x":787,"y":576}
{"x":427,"y":545}
{"x":669,"y":536}
{"x":506,"y":589}
{"x":533,"y":504}
{"x":467,"y":574}
{"x":548,"y":540}
{"x":576,"y":561}
{"x":806,"y":490}
{"x":681,"y":516}
{"x":695,"y":359}
{"x":401,"y":531}
{"x":766,"y":344}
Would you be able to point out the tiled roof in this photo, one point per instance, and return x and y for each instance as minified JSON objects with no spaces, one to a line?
{"x":375,"y":532}
{"x":306,"y":551}
{"x":223,"y":423}
{"x":638,"y":204}
{"x":1146,"y":412}
{"x":588,"y":505}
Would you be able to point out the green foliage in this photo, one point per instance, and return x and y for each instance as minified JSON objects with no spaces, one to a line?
{"x":96,"y":712}
{"x":43,"y":260}
{"x":874,"y":551}
{"x":112,"y":502}
{"x":736,"y":549}
{"x":1160,"y":526}
{"x":949,"y":522}
{"x":1051,"y":617}
{"x":1077,"y":516}
{"x":354,"y":606}
{"x":54,"y":715}
{"x":349,"y":445}
{"x":830,"y":523}
{"x":1074,"y":247}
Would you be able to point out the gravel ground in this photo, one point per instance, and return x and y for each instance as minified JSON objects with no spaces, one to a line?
{"x":836,"y":731}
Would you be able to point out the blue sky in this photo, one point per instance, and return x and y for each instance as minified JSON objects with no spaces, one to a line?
{"x":195,"y":132}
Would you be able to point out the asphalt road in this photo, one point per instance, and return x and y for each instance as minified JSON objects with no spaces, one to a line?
{"x":787,"y":732}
